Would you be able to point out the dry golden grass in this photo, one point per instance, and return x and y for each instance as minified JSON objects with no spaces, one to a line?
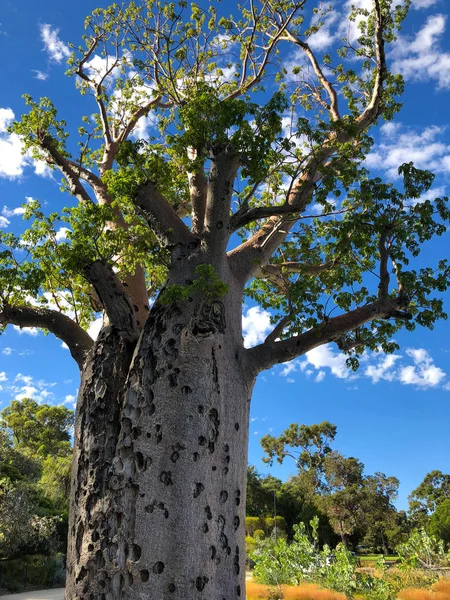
{"x":255,"y":591}
{"x":439,"y":591}
{"x":309,"y":591}
{"x":306,"y":591}
{"x":443,"y":586}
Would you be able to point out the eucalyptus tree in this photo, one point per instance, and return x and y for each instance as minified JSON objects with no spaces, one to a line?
{"x":248,"y":183}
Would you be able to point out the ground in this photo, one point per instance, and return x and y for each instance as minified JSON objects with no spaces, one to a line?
{"x":56,"y":594}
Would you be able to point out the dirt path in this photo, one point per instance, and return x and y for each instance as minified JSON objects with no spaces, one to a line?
{"x":56,"y":594}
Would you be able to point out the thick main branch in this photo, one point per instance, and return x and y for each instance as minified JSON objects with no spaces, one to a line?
{"x":78,"y":341}
{"x":273,"y":352}
{"x":115,"y":299}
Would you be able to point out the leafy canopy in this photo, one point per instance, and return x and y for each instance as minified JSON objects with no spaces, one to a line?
{"x":179,"y":86}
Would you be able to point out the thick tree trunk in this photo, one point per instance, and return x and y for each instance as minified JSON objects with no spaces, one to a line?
{"x":164,"y":514}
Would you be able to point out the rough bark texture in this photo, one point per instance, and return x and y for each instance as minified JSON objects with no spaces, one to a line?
{"x":163,"y":514}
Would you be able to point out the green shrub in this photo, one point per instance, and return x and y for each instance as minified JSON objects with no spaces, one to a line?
{"x":37,"y":571}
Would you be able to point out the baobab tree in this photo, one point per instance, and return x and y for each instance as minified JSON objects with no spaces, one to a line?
{"x":248,"y":182}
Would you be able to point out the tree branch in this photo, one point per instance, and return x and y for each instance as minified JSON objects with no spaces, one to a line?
{"x":278,"y":329}
{"x":222,"y":174}
{"x":115,"y":300}
{"x":271,"y":352}
{"x":162,"y":217}
{"x":97,"y":89}
{"x":78,"y":341}
{"x":372,"y":110}
{"x":67,"y":169}
{"x":134,"y":118}
{"x":251,"y":255}
{"x":198,"y":190}
{"x":333,"y":106}
{"x":383,"y":288}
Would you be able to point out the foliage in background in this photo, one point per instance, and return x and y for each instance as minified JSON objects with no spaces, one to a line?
{"x":357,"y":507}
{"x":35,"y":462}
{"x":423,"y":550}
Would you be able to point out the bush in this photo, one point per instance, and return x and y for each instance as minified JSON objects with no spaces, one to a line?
{"x":422,"y":550}
{"x":410,"y":578}
{"x":35,"y":572}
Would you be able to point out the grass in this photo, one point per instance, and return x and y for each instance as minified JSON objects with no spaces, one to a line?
{"x":310,"y":591}
{"x":439,"y":591}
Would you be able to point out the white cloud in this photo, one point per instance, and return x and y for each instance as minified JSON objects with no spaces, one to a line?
{"x":400,"y":143}
{"x":424,"y":372}
{"x":7,"y":351}
{"x":255,"y":325}
{"x":289,"y":368}
{"x":27,"y":391}
{"x":6,"y":118}
{"x":98,"y":66}
{"x":376,"y":366}
{"x":25,"y":386}
{"x":383,"y":369}
{"x":390,"y":128}
{"x":3,"y":376}
{"x":423,"y":3}
{"x":421,"y":58}
{"x":70,"y":399}
{"x":95,"y":327}
{"x":27,"y":379}
{"x":56,"y":49}
{"x":320,"y":376}
{"x":325,"y":357}
{"x":33,"y":331}
{"x":327,"y":34}
{"x":61,"y":234}
{"x":12,"y":159}
{"x":40,"y":75}
{"x":4,"y":222}
{"x":12,"y":212}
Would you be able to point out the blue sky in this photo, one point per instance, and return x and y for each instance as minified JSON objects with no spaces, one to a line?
{"x":394,"y":414}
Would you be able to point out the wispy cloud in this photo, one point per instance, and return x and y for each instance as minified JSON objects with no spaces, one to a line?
{"x":33,"y":331}
{"x":424,"y":3}
{"x":421,"y":58}
{"x":416,"y":367}
{"x":55,"y":48}
{"x":26,"y":386}
{"x":12,"y":212}
{"x":398,"y":143}
{"x":40,"y":75}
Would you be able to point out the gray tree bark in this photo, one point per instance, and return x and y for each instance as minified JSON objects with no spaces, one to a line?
{"x":159,"y":477}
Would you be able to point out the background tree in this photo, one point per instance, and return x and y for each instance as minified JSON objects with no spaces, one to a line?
{"x":162,"y":417}
{"x":41,"y":429}
{"x":35,"y":458}
{"x":440,"y":522}
{"x":423,"y":501}
{"x":260,"y":493}
{"x":380,"y":517}
{"x":335,"y":487}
